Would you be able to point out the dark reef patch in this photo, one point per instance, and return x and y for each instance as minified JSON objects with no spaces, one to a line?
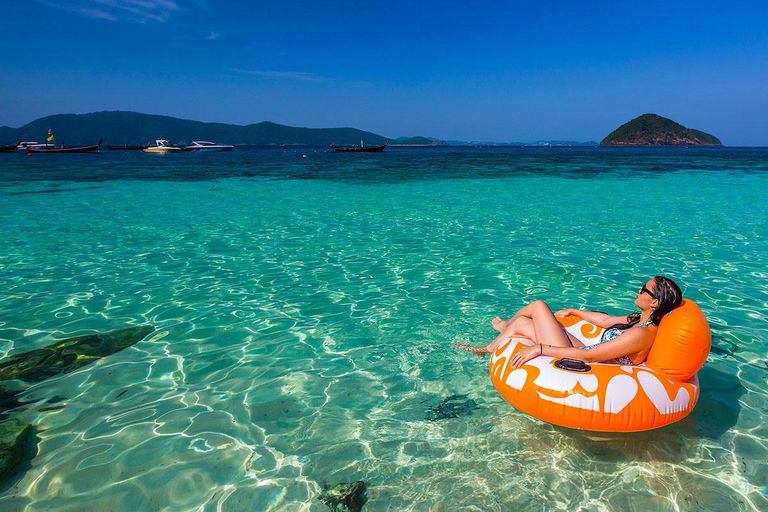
{"x":13,"y":436}
{"x":345,"y":497}
{"x":51,"y":191}
{"x":452,"y":407}
{"x":70,"y":354}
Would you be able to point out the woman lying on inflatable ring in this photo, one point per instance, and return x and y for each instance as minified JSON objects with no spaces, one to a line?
{"x":627,"y":339}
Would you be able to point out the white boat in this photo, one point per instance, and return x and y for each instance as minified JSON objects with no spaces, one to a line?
{"x":204,"y":145}
{"x":35,"y":145}
{"x":162,"y":146}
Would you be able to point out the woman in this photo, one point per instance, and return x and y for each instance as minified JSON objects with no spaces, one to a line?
{"x":626,"y":340}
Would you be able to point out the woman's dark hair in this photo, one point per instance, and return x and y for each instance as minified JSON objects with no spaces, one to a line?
{"x":669,"y":296}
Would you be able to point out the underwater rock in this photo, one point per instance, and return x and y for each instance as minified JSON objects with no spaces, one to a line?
{"x":347,"y":497}
{"x":8,"y":400}
{"x":70,"y":354}
{"x":13,"y":436}
{"x":452,"y":407}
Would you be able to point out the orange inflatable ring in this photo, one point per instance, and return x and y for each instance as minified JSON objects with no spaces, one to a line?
{"x":611,"y":397}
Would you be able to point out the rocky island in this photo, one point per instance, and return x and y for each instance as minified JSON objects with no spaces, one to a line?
{"x":654,"y":130}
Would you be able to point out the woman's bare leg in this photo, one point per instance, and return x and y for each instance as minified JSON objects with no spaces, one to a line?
{"x":521,"y":326}
{"x":546,"y":326}
{"x":500,"y":324}
{"x":535,"y":322}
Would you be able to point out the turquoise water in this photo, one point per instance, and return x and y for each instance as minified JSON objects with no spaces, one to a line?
{"x":306,"y":304}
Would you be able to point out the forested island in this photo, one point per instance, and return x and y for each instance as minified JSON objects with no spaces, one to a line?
{"x":655,"y":130}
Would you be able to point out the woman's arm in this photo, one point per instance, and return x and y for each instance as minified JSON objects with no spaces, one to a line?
{"x":631,"y":342}
{"x":593,"y":317}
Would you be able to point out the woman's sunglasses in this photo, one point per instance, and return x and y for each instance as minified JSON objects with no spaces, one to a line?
{"x":649,"y":292}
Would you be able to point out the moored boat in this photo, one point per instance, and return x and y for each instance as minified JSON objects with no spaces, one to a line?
{"x":9,"y":149}
{"x":204,"y":145}
{"x":126,"y":147}
{"x":63,"y":149}
{"x":359,"y":149}
{"x":162,"y":146}
{"x":34,"y":144}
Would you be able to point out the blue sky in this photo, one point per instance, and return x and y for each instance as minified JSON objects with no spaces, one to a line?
{"x":502,"y":71}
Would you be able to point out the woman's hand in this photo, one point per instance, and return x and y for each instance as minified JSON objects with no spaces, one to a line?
{"x":525,"y":355}
{"x":566,"y":312}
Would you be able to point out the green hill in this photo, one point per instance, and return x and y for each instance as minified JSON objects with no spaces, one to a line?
{"x":654,"y":130}
{"x":118,"y":127}
{"x":418,"y":141}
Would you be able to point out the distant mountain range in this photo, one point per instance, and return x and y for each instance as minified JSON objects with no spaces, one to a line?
{"x":133,"y":128}
{"x":418,"y":141}
{"x":655,"y":130}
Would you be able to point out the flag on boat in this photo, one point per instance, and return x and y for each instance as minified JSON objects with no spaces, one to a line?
{"x":50,"y":135}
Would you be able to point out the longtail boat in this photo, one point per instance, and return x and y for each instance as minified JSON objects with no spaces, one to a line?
{"x":64,"y":149}
{"x":126,"y":147}
{"x":8,"y":149}
{"x":359,"y":149}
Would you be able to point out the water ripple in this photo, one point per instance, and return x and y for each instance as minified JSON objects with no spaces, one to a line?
{"x":305,"y":326}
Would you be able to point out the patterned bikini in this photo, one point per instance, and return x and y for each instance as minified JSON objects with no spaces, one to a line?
{"x":612,"y":334}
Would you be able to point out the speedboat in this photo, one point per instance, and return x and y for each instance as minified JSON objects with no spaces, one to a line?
{"x":162,"y":146}
{"x":34,"y":145}
{"x":204,"y":145}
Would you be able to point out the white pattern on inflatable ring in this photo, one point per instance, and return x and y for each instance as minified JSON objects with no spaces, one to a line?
{"x":562,"y":381}
{"x":621,"y":390}
{"x":658,"y":395}
{"x":516,"y":379}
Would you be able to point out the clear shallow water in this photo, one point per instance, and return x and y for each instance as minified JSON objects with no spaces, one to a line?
{"x":306,"y":306}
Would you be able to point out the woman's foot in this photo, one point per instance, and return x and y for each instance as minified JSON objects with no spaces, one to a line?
{"x":499,"y":324}
{"x":478,"y":351}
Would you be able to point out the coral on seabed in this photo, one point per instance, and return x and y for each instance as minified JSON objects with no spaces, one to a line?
{"x":13,"y":436}
{"x":70,"y":354}
{"x":346,"y":497}
{"x":452,"y":407}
